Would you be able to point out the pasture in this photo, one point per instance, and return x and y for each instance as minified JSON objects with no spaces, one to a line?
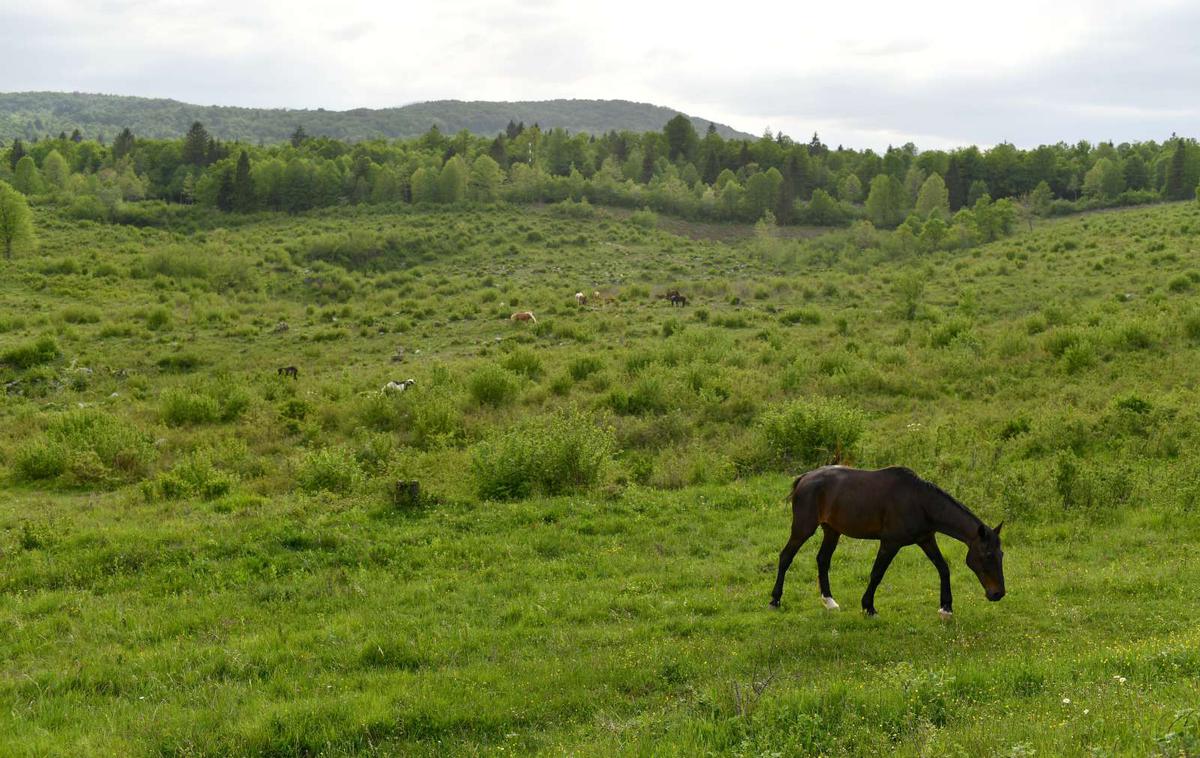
{"x":199,"y":556}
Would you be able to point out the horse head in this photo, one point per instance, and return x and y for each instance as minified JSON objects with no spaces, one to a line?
{"x":985,"y":557}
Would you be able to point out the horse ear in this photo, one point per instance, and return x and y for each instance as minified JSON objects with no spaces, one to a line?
{"x":982,"y":532}
{"x":998,"y":528}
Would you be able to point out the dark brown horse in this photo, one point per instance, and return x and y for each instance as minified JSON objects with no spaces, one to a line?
{"x":896,"y":507}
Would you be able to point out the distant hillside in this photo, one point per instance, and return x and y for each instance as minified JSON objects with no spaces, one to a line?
{"x":35,"y":114}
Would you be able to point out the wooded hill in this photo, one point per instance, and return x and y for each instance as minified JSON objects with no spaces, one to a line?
{"x":35,"y":115}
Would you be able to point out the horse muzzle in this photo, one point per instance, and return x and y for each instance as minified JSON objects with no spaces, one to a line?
{"x":996,"y":595}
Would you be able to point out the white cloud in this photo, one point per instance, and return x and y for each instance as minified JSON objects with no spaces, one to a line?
{"x":866,"y":74}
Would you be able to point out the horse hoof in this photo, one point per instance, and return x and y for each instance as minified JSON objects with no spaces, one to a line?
{"x":870,"y":612}
{"x":829,"y":603}
{"x":945,"y":615}
{"x":773,"y":605}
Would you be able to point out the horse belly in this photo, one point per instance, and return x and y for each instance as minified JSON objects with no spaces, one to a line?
{"x":859,"y":523}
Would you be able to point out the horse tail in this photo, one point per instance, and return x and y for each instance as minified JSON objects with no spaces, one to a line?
{"x":795,"y":484}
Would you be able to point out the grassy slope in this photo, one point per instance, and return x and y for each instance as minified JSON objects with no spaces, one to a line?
{"x":273,"y":621}
{"x":35,"y":114}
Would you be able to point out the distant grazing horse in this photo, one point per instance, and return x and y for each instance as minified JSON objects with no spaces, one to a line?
{"x":677,"y":299}
{"x":291,"y":371}
{"x":581,"y":298}
{"x":896,"y":507}
{"x":523,"y":316}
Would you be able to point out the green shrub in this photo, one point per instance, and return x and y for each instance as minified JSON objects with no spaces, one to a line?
{"x":196,"y":476}
{"x":180,"y":362}
{"x":204,"y":402}
{"x":552,"y":455}
{"x":1091,"y":485}
{"x":1191,"y":326}
{"x":492,"y":385}
{"x":331,"y":469}
{"x":647,"y":394}
{"x":1079,"y":356}
{"x":158,"y":319}
{"x":645,"y":219}
{"x":85,"y":447}
{"x":584,"y":366}
{"x":524,"y":362}
{"x":436,"y":421}
{"x":801,"y":316}
{"x":810,"y":433}
{"x":78,"y":314}
{"x":36,"y":353}
{"x":949,"y":331}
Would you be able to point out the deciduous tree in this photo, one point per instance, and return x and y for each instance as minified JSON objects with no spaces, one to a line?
{"x":16,"y":222}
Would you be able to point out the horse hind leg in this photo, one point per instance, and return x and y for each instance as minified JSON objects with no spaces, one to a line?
{"x":804,"y":523}
{"x":828,"y":545}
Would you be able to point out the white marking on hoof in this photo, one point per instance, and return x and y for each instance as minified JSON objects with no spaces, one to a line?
{"x":829,"y":603}
{"x":945,"y":614}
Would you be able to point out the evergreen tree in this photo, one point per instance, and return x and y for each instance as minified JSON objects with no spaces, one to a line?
{"x":956,"y":183}
{"x":498,"y":151}
{"x":123,"y":144}
{"x":195,"y":145}
{"x":243,"y":185}
{"x":15,"y":153}
{"x":512,"y":131}
{"x":299,"y":137}
{"x":1176,"y":187}
{"x":1137,"y":173}
{"x":977,"y":190}
{"x":225,"y":190}
{"x":681,"y":138}
{"x":76,"y":137}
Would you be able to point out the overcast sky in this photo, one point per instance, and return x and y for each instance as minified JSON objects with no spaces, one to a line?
{"x":862,"y":74}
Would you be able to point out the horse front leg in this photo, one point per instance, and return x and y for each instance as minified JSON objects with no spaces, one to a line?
{"x":887,"y":551}
{"x":930,"y":546}
{"x":799,"y":536}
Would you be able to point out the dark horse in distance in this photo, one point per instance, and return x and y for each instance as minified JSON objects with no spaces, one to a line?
{"x":896,"y":507}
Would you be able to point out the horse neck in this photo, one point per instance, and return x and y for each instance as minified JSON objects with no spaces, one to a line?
{"x":953,"y":520}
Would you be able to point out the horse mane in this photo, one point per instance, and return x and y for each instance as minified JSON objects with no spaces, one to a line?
{"x":939,"y":491}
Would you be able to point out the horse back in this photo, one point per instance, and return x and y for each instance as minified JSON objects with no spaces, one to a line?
{"x":880,"y":504}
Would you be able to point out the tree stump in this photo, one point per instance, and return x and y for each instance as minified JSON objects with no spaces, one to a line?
{"x":407,"y":494}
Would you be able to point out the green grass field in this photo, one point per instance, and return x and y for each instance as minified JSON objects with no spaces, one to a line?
{"x":200,"y":557}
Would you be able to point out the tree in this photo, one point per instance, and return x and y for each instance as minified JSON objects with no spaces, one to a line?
{"x":123,"y":144}
{"x":762,"y":193}
{"x":15,"y":153}
{"x":1176,"y":184}
{"x":486,"y":175}
{"x":243,"y":185}
{"x":823,"y":210}
{"x":885,"y":201}
{"x":55,"y":169}
{"x":452,"y":183}
{"x":26,"y":178}
{"x":849,"y":189}
{"x":681,"y":138}
{"x":16,"y":222}
{"x":1040,"y":199}
{"x":1104,"y":180}
{"x":299,"y":137}
{"x":195,"y":145}
{"x":977,"y":190}
{"x":933,"y":198}
{"x":1137,"y":173}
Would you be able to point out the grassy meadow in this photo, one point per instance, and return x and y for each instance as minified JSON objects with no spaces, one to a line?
{"x":199,"y":557}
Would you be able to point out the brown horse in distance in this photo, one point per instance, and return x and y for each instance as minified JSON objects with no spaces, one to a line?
{"x":896,"y":507}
